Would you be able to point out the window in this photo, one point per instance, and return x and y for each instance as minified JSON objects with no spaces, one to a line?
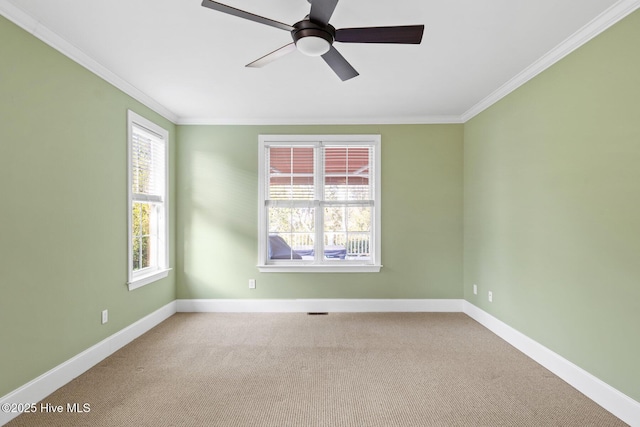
{"x":319,"y":203}
{"x":147,"y":207}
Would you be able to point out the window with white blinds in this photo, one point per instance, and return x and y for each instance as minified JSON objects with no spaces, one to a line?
{"x":147,"y":208}
{"x":147,"y":164}
{"x":319,"y":203}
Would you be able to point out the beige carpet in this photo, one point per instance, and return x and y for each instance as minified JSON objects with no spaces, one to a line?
{"x":365,"y":369}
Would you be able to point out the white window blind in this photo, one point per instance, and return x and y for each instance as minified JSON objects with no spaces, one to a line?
{"x":147,"y":164}
{"x":347,"y":173}
{"x":291,"y":173}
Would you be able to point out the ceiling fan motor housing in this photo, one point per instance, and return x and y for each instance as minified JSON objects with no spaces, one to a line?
{"x":308,"y":28}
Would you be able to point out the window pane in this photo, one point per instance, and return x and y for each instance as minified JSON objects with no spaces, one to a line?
{"x":359,"y":218}
{"x":146,"y":219}
{"x":347,"y":232}
{"x":136,"y":220}
{"x":136,"y":254}
{"x":145,"y":259}
{"x":141,"y":219}
{"x":143,"y":238}
{"x":291,"y":173}
{"x":291,"y":233}
{"x":347,"y":171}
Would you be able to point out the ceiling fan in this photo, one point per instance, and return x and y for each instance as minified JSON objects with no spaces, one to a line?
{"x":314,"y":36}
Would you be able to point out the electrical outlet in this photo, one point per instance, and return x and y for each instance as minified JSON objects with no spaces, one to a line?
{"x":105,"y":316}
{"x":475,"y":289}
{"x":252,"y":283}
{"x":490,"y":296}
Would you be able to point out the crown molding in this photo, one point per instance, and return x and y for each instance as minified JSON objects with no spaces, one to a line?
{"x":602,"y":22}
{"x":38,"y":30}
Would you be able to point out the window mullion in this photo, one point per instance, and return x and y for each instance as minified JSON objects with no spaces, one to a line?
{"x":346,"y":227}
{"x":318,"y":179}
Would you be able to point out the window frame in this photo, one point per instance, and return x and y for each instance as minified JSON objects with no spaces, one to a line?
{"x":137,"y":279}
{"x":318,"y":265}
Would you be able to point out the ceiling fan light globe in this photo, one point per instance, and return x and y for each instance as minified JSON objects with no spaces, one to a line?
{"x":313,"y":46}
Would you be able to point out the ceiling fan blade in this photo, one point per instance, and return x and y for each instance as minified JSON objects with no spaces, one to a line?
{"x":321,"y":10}
{"x":339,"y":65}
{"x":246,"y":15}
{"x":270,"y":57}
{"x":407,"y":34}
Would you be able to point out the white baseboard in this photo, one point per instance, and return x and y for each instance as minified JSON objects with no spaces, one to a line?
{"x":50,"y":381}
{"x":318,"y":305}
{"x":614,"y":401}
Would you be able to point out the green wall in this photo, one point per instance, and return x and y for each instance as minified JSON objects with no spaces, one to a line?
{"x":552,"y":207}
{"x":421,"y":216}
{"x":63,"y":210}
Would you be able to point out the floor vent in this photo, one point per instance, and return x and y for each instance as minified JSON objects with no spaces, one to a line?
{"x":317,"y":313}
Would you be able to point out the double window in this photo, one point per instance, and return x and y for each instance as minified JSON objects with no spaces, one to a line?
{"x":147,"y":208}
{"x":319,"y":203}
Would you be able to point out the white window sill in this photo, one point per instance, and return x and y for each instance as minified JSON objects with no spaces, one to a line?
{"x":140,"y":281}
{"x":319,"y":268}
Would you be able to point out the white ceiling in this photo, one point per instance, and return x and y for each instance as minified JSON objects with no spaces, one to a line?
{"x":187,"y":61}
